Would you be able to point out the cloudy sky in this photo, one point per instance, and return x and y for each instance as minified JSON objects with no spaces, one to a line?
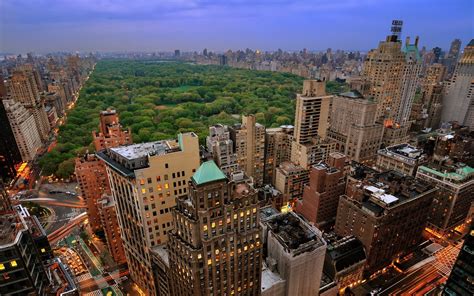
{"x":155,"y":25}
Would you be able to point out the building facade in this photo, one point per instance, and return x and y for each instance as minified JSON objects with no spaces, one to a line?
{"x":220,"y":145}
{"x":459,"y":97}
{"x":145,"y":180}
{"x":402,"y":158}
{"x":277,"y":150}
{"x":215,"y":247}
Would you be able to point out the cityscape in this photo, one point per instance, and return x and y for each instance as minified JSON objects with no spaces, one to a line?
{"x":224,"y":170}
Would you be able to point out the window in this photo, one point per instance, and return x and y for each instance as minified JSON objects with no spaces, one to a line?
{"x":13,"y":263}
{"x":158,"y":178}
{"x":166,"y":166}
{"x":2,"y":267}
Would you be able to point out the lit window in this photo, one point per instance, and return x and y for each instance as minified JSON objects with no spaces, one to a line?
{"x":43,"y":250}
{"x":167,"y":186}
{"x":217,"y":251}
{"x":213,"y":225}
{"x":209,"y":261}
{"x":158,"y":187}
{"x":235,"y":216}
{"x":199,"y":256}
{"x":254,"y":210}
{"x":2,"y":267}
{"x":248,"y":212}
{"x":241,"y":214}
{"x":143,"y":190}
{"x":13,"y":263}
{"x":204,"y":227}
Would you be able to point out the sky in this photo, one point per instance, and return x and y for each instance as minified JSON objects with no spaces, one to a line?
{"x":163,"y":25}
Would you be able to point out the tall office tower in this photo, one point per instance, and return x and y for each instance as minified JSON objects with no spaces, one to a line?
{"x":460,"y":279}
{"x":455,"y":194}
{"x":452,"y":56}
{"x":321,"y":196}
{"x":458,"y":101}
{"x":24,"y":129}
{"x":23,"y":89}
{"x":383,"y":69}
{"x":215,"y":246}
{"x":10,"y":155}
{"x":311,"y":122}
{"x":249,"y":144}
{"x":295,"y":255}
{"x":111,"y":134}
{"x":109,"y":222}
{"x":222,"y":148}
{"x":277,"y":150}
{"x":145,"y":180}
{"x":21,"y":268}
{"x":431,"y":95}
{"x":410,"y":80}
{"x":93,"y":182}
{"x":353,"y":127}
{"x":386,"y":212}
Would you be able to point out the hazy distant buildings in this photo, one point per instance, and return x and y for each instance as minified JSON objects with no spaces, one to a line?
{"x":145,"y":180}
{"x":249,"y":145}
{"x":24,"y":129}
{"x":386,"y":212}
{"x":458,"y":102}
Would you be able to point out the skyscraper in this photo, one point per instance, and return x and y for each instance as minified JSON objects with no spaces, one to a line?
{"x":145,"y":180}
{"x":309,"y":144}
{"x":249,"y":144}
{"x":23,"y":125}
{"x":215,"y":247}
{"x":353,"y":126}
{"x":10,"y":155}
{"x":277,"y":149}
{"x":23,"y":89}
{"x":458,"y":101}
{"x":452,"y":56}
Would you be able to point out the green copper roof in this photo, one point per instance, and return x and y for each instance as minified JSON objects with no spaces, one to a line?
{"x":459,"y":175}
{"x":208,"y":172}
{"x":412,"y":49}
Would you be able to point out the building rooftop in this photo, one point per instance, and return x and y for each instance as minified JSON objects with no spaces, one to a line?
{"x":267,"y":212}
{"x":458,"y":173}
{"x":353,"y":94}
{"x":135,"y":151}
{"x":344,"y":251}
{"x":162,"y":252}
{"x":11,"y":225}
{"x":208,"y":172}
{"x":294,"y":234}
{"x":290,"y":167}
{"x":403,"y":152}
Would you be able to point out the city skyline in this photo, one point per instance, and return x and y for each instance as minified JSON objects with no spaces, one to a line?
{"x":191,"y":25}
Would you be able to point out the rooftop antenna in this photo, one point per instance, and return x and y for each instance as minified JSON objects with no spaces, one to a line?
{"x":397,"y":28}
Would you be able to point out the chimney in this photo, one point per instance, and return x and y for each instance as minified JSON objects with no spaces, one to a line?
{"x":416,"y":40}
{"x":407,"y":41}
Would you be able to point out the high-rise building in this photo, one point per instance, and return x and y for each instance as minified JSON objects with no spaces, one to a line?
{"x":10,"y":156}
{"x":353,"y":126}
{"x":321,"y":196}
{"x":386,"y":212}
{"x":410,"y":80}
{"x":295,"y":253}
{"x":145,"y":180}
{"x":220,"y":145}
{"x":431,"y":95}
{"x":309,"y":144}
{"x":215,"y":246}
{"x":454,"y":197}
{"x":23,"y":125}
{"x":249,"y":145}
{"x":277,"y":150}
{"x":460,"y":279}
{"x":109,"y":223}
{"x":23,"y":89}
{"x":111,"y":134}
{"x":452,"y":56}
{"x":93,"y":182}
{"x":458,"y":101}
{"x":21,"y":268}
{"x":90,"y":170}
